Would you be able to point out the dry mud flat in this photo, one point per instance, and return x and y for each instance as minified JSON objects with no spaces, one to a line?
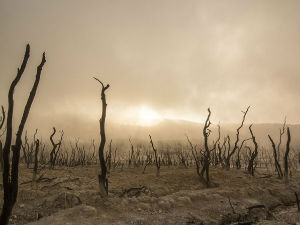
{"x":69,"y":196}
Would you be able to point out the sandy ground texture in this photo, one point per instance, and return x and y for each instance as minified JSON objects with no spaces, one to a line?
{"x":70,"y":196}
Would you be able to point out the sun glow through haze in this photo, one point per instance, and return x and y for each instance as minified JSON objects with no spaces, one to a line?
{"x":147,"y":117}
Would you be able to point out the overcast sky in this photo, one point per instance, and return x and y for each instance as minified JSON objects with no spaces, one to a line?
{"x":163,"y":59}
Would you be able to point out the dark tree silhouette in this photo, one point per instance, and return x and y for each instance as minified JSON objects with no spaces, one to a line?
{"x":11,"y":171}
{"x":286,"y":155}
{"x":253,"y":154}
{"x":103,"y":181}
{"x":277,"y":164}
{"x":55,"y":148}
{"x":131,"y":159}
{"x":238,"y":157}
{"x":35,"y":168}
{"x":207,"y":158}
{"x":235,"y":147}
{"x":2,"y":119}
{"x":28,"y":150}
{"x":276,"y":152}
{"x":281,"y":133}
{"x":156,"y":158}
{"x":195,"y":155}
{"x":202,"y":158}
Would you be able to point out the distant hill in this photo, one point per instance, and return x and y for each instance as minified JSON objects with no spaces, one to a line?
{"x":166,"y":130}
{"x":177,"y":129}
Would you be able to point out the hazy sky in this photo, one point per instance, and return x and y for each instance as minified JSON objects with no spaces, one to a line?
{"x":163,"y":59}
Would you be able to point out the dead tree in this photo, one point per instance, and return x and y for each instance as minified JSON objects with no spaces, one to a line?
{"x":55,"y":148}
{"x":203,"y":158}
{"x":286,"y":155}
{"x":148,"y":161}
{"x":2,"y":119}
{"x":238,"y":159}
{"x":276,"y":152}
{"x":156,"y":158}
{"x":230,"y":152}
{"x":103,"y":181}
{"x":221,"y":154}
{"x":276,"y":162}
{"x":196,"y":156}
{"x":11,"y":171}
{"x":285,"y":159}
{"x":253,"y":154}
{"x":28,"y":150}
{"x":131,"y":159}
{"x":43,"y":158}
{"x":217,"y":148}
{"x":93,"y":157}
{"x":35,"y":168}
{"x":207,"y":158}
{"x":281,"y":132}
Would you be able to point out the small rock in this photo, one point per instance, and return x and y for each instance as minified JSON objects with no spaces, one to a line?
{"x":164,"y":204}
{"x":133,"y":200}
{"x":107,"y":203}
{"x":184,"y":199}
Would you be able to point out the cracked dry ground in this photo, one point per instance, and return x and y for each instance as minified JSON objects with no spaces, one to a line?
{"x":70,"y":196}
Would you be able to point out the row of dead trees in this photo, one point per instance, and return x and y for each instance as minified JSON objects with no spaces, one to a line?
{"x":58,"y":154}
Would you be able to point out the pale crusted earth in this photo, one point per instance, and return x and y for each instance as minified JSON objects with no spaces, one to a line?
{"x":70,"y":196}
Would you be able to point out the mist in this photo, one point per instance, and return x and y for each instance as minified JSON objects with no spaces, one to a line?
{"x":172,"y":57}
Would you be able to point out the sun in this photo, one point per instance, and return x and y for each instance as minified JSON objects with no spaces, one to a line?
{"x":147,"y":116}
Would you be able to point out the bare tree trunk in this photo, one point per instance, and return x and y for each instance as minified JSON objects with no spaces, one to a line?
{"x":10,"y":178}
{"x":286,"y":155}
{"x":35,"y":168}
{"x":277,"y":165}
{"x":157,"y":159}
{"x":253,"y":155}
{"x":281,"y":132}
{"x":207,"y":158}
{"x":195,"y":156}
{"x":103,"y":182}
{"x":235,"y":147}
{"x":55,"y":148}
{"x":1,"y":146}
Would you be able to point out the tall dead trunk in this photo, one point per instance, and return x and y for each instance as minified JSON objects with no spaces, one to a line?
{"x":286,"y":155}
{"x":235,"y":147}
{"x":254,"y":154}
{"x":207,"y":157}
{"x":156,"y":158}
{"x":11,"y":173}
{"x":2,"y":119}
{"x":55,"y":148}
{"x":277,"y":164}
{"x":103,"y":181}
{"x":35,"y":168}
